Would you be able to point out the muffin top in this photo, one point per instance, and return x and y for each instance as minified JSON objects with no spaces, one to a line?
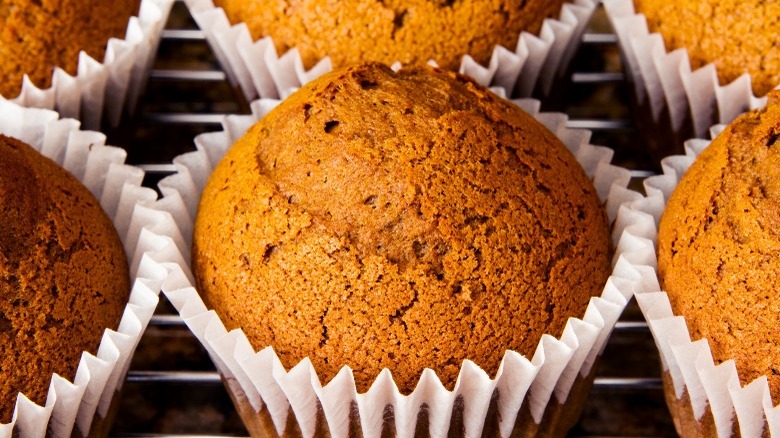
{"x":63,"y":274}
{"x":738,"y":36}
{"x":399,"y":220}
{"x":38,"y":35}
{"x":719,"y":245}
{"x":409,"y":31}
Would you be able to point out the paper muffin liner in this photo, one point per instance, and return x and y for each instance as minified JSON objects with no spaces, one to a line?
{"x":82,"y":406}
{"x":664,"y":82}
{"x":111,"y":86}
{"x":708,"y":399}
{"x":259,"y":71}
{"x":527,"y":390}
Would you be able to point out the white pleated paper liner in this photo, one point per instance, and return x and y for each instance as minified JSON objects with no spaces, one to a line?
{"x":259,"y":378}
{"x":111,"y":86}
{"x":259,"y":71}
{"x":689,"y":363}
{"x":664,"y":80}
{"x":71,"y":407}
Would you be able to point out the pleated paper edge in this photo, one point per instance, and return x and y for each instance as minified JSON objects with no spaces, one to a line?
{"x":255,"y":67}
{"x":266,"y":384}
{"x":664,"y":79}
{"x":109,"y":87}
{"x":72,"y":406}
{"x":689,"y":363}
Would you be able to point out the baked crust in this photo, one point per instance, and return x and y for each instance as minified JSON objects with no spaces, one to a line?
{"x":63,"y":274}
{"x":36,"y":36}
{"x":719,"y":245}
{"x":402,"y":220}
{"x":409,"y":31}
{"x":738,"y":36}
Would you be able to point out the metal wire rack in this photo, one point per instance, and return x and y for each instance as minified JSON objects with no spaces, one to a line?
{"x":172,"y":388}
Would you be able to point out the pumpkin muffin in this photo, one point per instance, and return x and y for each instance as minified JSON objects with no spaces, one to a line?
{"x":402,"y":220}
{"x":36,"y":36}
{"x":409,"y":31}
{"x":719,"y":246}
{"x":63,"y":274}
{"x":738,"y":36}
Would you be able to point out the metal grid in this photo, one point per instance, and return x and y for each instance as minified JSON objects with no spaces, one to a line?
{"x":172,"y":388}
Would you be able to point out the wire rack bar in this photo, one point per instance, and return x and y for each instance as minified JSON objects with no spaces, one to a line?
{"x":189,"y":377}
{"x":597,"y":77}
{"x":184,"y":118}
{"x":212,"y":377}
{"x":183,"y":35}
{"x":599,"y":38}
{"x":216,"y":119}
{"x":189,"y":75}
{"x":158,"y":168}
{"x":643,"y":383}
{"x":600,"y":124}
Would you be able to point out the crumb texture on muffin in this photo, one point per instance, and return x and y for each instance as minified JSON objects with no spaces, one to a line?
{"x":401,"y":220}
{"x":409,"y":31}
{"x":719,"y":245}
{"x":38,"y":35}
{"x":63,"y":274}
{"x":738,"y":36}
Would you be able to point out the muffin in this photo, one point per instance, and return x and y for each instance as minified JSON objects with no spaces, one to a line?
{"x":737,"y":36}
{"x":37,"y":36}
{"x":691,"y":64}
{"x":64,"y":274}
{"x":719,"y":253}
{"x":404,"y":221}
{"x":270,"y":49}
{"x":410,"y":32}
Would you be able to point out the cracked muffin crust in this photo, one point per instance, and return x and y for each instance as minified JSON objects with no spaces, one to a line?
{"x":63,"y":274}
{"x":738,"y":36}
{"x":409,"y":31}
{"x":404,"y":220}
{"x":719,"y":245}
{"x":38,"y":35}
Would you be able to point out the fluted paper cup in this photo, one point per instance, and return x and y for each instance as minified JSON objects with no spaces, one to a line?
{"x":111,"y":86}
{"x":83,"y":407}
{"x":259,"y":71}
{"x":541,"y":394}
{"x":707,"y":399}
{"x":681,"y":102}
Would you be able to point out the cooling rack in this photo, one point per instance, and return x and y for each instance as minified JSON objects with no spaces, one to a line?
{"x":172,"y":388}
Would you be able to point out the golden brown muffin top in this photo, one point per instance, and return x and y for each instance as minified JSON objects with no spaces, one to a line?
{"x":719,"y":245}
{"x":38,"y":35}
{"x":401,"y":220}
{"x":738,"y":36}
{"x":409,"y":31}
{"x":63,"y":274}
